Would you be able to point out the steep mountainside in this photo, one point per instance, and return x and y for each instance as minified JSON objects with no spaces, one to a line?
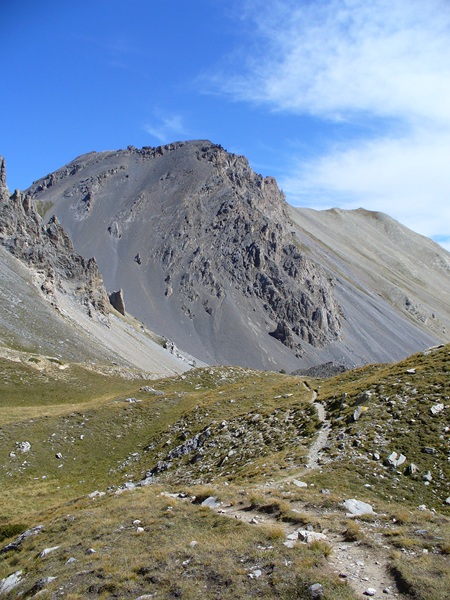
{"x":53,"y":301}
{"x":207,"y":254}
{"x":391,"y":282}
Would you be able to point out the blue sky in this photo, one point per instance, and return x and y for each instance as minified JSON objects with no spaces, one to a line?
{"x":345,"y":102}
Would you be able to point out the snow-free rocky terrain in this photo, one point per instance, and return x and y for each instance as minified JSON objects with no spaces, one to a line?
{"x":127,"y":473}
{"x":209,"y":254}
{"x":53,"y":301}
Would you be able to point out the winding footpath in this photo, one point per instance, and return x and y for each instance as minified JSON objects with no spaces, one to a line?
{"x":362,"y":566}
{"x":322,"y":438}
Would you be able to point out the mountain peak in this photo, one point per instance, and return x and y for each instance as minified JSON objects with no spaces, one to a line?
{"x":196,"y":225}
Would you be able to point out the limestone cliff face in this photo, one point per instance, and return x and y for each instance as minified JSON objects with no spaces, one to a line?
{"x":48,"y":249}
{"x":233,"y":231}
{"x":202,"y":247}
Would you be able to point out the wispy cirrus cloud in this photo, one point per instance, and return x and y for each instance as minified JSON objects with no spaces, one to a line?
{"x":164,"y":127}
{"x":377,"y":71}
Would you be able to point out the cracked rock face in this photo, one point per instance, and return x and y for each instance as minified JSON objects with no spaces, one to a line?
{"x":49,"y":251}
{"x":233,"y":231}
{"x":202,"y":248}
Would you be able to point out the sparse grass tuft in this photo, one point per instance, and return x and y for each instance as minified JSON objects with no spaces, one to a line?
{"x":353,"y":532}
{"x":10,"y":530}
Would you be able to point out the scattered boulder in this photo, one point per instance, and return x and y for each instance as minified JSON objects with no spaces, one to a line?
{"x":357,"y":507}
{"x":357,"y":413}
{"x":255,"y":573}
{"x":428,"y":477}
{"x":9,"y":583}
{"x":411,"y":469}
{"x":211,"y":502}
{"x":96,"y":494}
{"x":391,"y":460}
{"x":300,"y":484}
{"x":315,"y":591}
{"x":436,"y":409}
{"x":37,"y":589}
{"x":364,"y":397}
{"x":117,"y":301}
{"x":429,"y":450}
{"x":23,"y":446}
{"x":308,"y":537}
{"x":400,"y":460}
{"x":370,"y":592}
{"x":48,"y":551}
{"x":149,"y":390}
{"x":394,"y":460}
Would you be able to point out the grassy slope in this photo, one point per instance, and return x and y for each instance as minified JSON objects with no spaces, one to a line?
{"x":267,"y":422}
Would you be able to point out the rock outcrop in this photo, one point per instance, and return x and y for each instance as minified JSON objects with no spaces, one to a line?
{"x":117,"y":301}
{"x":233,"y":230}
{"x":49,"y":251}
{"x":202,"y":247}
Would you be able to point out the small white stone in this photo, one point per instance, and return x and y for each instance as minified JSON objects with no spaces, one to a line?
{"x":23,"y":446}
{"x":300,"y":484}
{"x":255,"y":574}
{"x":47,"y":551}
{"x":370,"y":592}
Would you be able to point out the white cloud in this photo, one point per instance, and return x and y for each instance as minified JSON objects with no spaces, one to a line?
{"x":407,"y":178}
{"x":352,"y":62}
{"x":165,"y":127}
{"x":337,"y":57}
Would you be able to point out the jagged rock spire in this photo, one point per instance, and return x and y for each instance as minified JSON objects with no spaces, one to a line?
{"x":2,"y":172}
{"x":4,"y":193}
{"x":48,"y":249}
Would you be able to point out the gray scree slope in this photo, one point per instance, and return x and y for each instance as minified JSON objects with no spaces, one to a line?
{"x":53,"y":301}
{"x":209,"y":254}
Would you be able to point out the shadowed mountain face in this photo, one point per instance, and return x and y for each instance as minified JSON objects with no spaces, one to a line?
{"x":208,"y":255}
